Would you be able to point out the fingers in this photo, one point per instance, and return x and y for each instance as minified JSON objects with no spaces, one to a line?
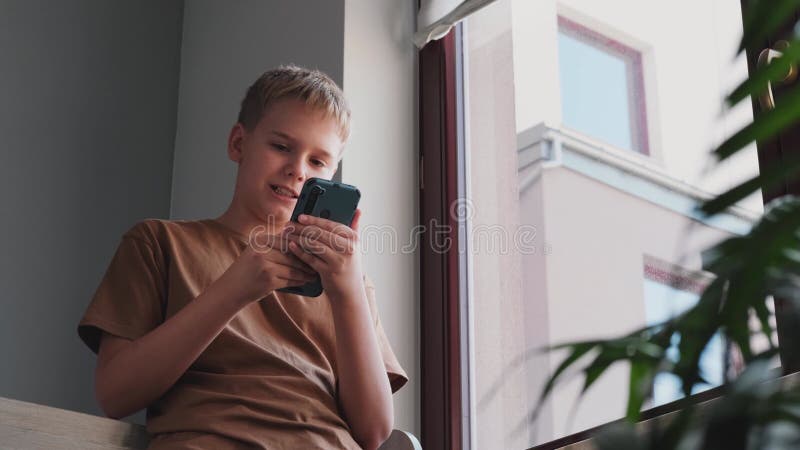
{"x":326,"y":225}
{"x":286,"y":282}
{"x":356,"y":220}
{"x":293,"y":276}
{"x":334,"y":235}
{"x":311,"y":236}
{"x":275,"y":248}
{"x":290,"y":283}
{"x":288,"y":259}
{"x":320,"y":248}
{"x":314,"y":255}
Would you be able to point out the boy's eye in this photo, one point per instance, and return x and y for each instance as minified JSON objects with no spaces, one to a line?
{"x":317,"y":162}
{"x":281,"y":147}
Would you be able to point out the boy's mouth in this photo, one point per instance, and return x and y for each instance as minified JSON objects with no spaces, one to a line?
{"x":283,"y":191}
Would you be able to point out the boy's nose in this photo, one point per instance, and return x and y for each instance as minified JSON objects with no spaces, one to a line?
{"x":296,"y":170}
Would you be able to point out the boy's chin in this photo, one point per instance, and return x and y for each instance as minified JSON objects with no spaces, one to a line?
{"x":279,"y":218}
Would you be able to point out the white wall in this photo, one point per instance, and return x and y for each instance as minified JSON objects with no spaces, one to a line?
{"x":380,"y":74}
{"x":605,"y":252}
{"x":535,"y":63}
{"x":226,"y":46}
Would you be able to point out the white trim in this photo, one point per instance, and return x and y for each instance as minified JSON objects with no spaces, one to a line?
{"x":627,"y":171}
{"x":463,"y":244}
{"x":469,"y":410}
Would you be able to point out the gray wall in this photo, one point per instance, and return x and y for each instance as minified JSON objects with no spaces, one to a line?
{"x":88,"y":94}
{"x":94,"y":96}
{"x":226,"y":45}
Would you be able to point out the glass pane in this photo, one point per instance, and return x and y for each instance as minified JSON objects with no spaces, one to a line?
{"x":587,"y":128}
{"x":595,"y":89}
{"x":664,"y":301}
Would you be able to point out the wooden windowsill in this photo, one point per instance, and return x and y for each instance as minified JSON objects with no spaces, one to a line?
{"x":583,"y":439}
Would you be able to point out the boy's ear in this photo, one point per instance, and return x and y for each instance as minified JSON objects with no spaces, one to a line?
{"x":236,"y":142}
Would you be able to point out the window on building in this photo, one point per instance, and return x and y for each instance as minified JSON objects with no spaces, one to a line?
{"x":669,"y":291}
{"x":602,"y":88}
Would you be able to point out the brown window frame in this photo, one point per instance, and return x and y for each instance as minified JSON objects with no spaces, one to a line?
{"x":440,"y":324}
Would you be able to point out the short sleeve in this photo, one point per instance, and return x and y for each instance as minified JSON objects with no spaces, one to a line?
{"x":397,"y":376}
{"x":129,"y":302}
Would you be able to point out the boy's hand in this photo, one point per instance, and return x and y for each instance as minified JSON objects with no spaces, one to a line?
{"x":331,"y":249}
{"x":258,"y":272}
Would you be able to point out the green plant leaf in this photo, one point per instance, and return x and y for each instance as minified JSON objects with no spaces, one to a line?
{"x":735,"y":316}
{"x":595,"y":369}
{"x":763,"y":313}
{"x":696,"y":328}
{"x":639,"y":387}
{"x":763,"y":19}
{"x":769,"y":177}
{"x":609,"y":349}
{"x":774,"y":72}
{"x":764,"y":126}
{"x":577,"y":351}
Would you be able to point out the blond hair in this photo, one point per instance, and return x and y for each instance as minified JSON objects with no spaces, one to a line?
{"x":313,"y":87}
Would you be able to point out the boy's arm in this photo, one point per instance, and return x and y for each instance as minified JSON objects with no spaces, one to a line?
{"x":364,"y":391}
{"x":132,"y":374}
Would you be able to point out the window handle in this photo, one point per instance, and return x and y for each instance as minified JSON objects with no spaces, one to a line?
{"x":766,"y":99}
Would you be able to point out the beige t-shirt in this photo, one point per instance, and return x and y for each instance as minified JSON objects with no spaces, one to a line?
{"x":268,"y":380}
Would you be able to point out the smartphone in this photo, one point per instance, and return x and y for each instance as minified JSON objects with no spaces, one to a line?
{"x":329,"y":200}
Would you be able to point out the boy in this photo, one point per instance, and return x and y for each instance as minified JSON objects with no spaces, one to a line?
{"x":187,"y":321}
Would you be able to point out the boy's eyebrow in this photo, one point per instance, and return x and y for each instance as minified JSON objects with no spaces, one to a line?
{"x":286,"y":136}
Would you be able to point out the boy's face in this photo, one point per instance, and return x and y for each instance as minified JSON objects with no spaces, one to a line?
{"x":291,"y":143}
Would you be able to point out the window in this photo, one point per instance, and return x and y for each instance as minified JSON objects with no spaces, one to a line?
{"x":539,"y":176}
{"x":669,"y":291}
{"x":602,"y":89}
{"x":590,"y":208}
